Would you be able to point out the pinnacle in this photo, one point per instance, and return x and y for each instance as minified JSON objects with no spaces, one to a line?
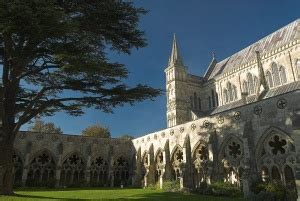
{"x":175,"y":58}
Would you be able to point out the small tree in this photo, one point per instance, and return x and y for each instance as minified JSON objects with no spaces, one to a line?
{"x":96,"y":131}
{"x":42,"y":127}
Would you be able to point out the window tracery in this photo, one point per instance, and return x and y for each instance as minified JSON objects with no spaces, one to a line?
{"x":276,"y":159}
{"x":282,"y":75}
{"x":99,"y":171}
{"x":201,"y":164}
{"x":121,"y":171}
{"x":177,"y":162}
{"x":73,"y":170}
{"x":41,"y":170}
{"x":233,"y":161}
{"x":230,"y":93}
{"x":159,"y":160}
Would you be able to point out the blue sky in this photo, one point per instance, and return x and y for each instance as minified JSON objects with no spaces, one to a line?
{"x":201,"y":27}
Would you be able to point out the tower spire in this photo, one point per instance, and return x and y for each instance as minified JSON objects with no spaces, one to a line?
{"x":175,"y":58}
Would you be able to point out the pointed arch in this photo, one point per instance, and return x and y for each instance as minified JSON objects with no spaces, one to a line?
{"x":273,"y":145}
{"x":200,"y":142}
{"x":230,"y":157}
{"x":269,"y":79}
{"x":158,"y":151}
{"x":266,"y":134}
{"x":225,"y":142}
{"x":41,"y":170}
{"x":245,"y":87}
{"x":282,"y":75}
{"x":275,"y":73}
{"x":176,"y":147}
{"x":44,"y":150}
{"x":298,"y":67}
{"x":73,"y":169}
{"x":250,"y":83}
{"x":99,"y":171}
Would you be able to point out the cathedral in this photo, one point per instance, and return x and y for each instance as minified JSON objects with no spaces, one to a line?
{"x":238,"y":123}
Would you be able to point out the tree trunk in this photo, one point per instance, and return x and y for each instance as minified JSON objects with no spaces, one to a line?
{"x":6,"y":168}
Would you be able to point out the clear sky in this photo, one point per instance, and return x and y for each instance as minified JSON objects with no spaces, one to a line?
{"x":201,"y":27}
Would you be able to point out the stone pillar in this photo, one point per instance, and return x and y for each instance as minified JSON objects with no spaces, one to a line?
{"x":167,"y":169}
{"x":150,"y":169}
{"x":186,"y":176}
{"x":58,"y":171}
{"x":245,"y":176}
{"x":25,"y":170}
{"x":88,"y":171}
{"x":209,"y":164}
{"x":137,"y":177}
{"x":296,"y":138}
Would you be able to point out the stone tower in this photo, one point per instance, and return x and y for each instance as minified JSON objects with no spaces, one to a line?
{"x":176,"y":83}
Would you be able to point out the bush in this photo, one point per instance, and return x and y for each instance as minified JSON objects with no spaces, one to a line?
{"x":273,"y":191}
{"x":153,"y":186}
{"x":171,"y":186}
{"x":221,"y":188}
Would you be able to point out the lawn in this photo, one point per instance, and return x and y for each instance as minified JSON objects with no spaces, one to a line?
{"x":107,"y":194}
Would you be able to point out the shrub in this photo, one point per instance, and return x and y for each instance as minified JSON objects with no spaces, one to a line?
{"x":273,"y":191}
{"x":153,"y":186}
{"x":171,"y":186}
{"x":221,"y":188}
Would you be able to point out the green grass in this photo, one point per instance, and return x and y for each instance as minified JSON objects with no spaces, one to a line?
{"x":72,"y":194}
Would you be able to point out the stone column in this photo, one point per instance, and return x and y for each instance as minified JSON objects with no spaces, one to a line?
{"x":137,"y":177}
{"x":167,"y":169}
{"x":150,"y":175}
{"x":25,"y":170}
{"x":245,"y":176}
{"x":88,"y":171}
{"x":58,"y":171}
{"x":186,"y":176}
{"x":210,"y":163}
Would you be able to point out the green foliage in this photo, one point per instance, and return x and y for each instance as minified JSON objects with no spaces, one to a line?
{"x":42,"y":127}
{"x":171,"y":186}
{"x":96,"y":131}
{"x":273,"y":191}
{"x":53,"y":48}
{"x":153,"y":186}
{"x":221,"y":188}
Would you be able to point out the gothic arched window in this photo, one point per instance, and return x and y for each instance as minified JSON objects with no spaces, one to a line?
{"x":282,"y":75}
{"x":73,"y":170}
{"x":275,"y":73}
{"x":41,"y":170}
{"x":269,"y":79}
{"x":255,"y":83}
{"x":245,"y":87}
{"x":99,"y":171}
{"x":298,"y":67}
{"x":250,"y":83}
{"x":225,"y":94}
{"x":121,"y":171}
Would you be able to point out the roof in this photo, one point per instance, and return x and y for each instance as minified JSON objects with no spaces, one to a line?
{"x":275,"y":40}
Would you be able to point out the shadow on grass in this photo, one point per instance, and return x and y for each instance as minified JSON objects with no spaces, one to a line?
{"x":70,"y":189}
{"x":165,"y":196}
